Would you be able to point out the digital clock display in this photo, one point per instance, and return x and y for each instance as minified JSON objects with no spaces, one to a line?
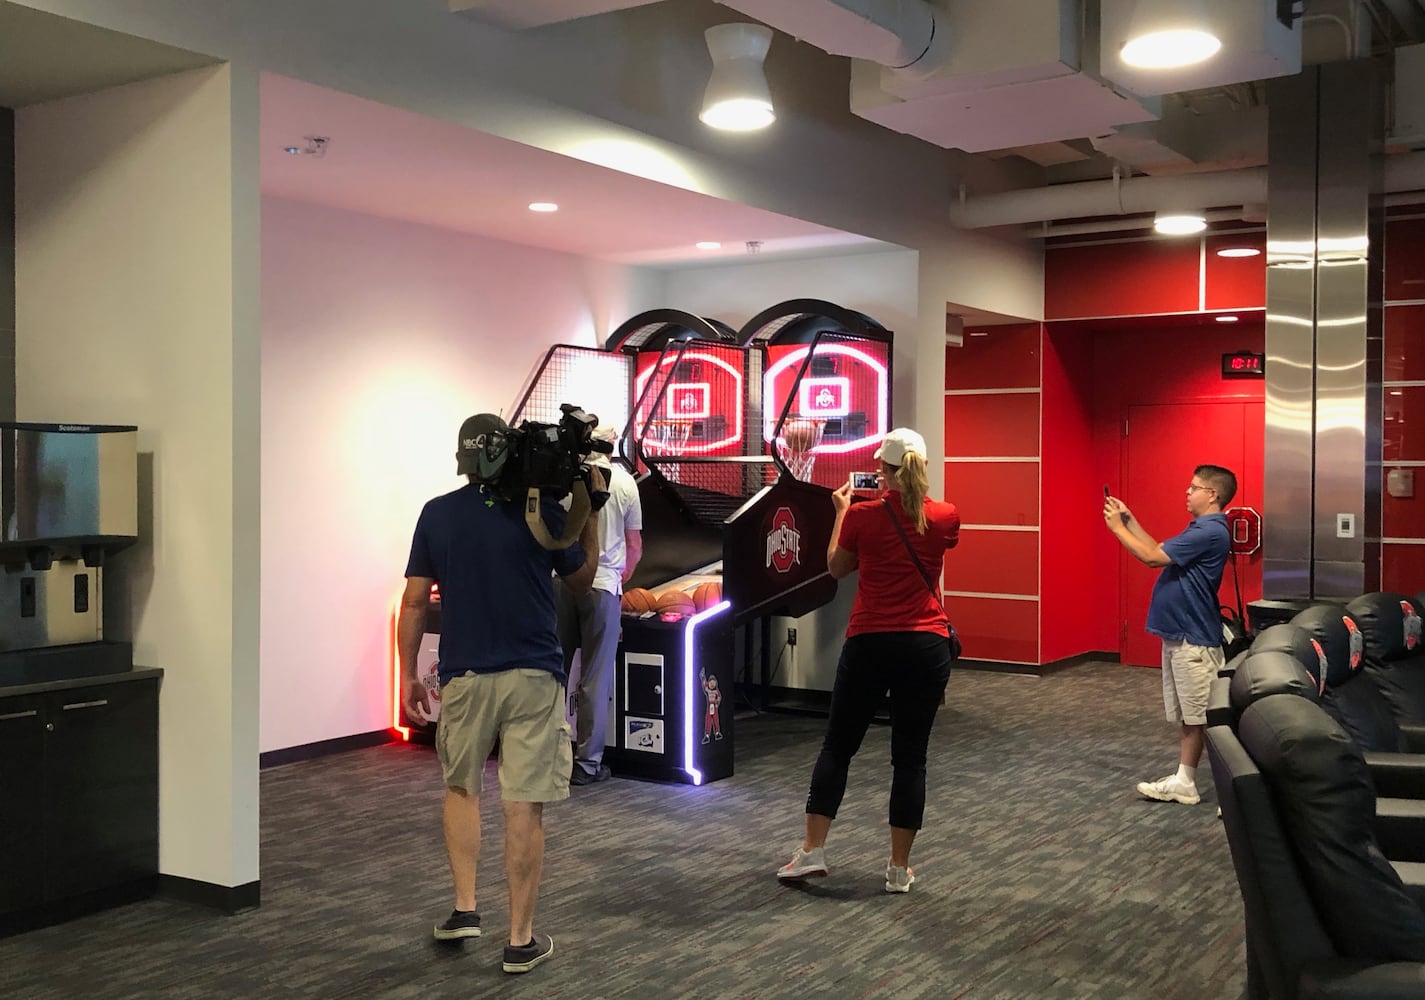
{"x":1244,"y":364}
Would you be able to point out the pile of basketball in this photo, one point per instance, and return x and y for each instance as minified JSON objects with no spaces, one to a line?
{"x":672,"y":601}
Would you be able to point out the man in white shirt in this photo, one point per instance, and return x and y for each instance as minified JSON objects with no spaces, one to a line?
{"x":589,"y":623}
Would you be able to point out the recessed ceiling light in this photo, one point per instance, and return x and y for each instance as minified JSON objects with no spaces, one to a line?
{"x":1225,"y":319}
{"x":291,"y":150}
{"x":1167,"y":34}
{"x":708,"y":245}
{"x":543,"y":206}
{"x":1179,"y":225}
{"x":1239,"y":252}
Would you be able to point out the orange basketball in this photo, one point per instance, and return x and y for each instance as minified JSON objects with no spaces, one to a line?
{"x":638,"y":600}
{"x":675,"y":600}
{"x":705,"y":595}
{"x":800,"y":435}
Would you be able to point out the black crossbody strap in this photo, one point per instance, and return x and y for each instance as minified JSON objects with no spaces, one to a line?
{"x":929,"y":583}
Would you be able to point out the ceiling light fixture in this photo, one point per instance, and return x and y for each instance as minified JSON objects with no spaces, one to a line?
{"x":1167,"y":34}
{"x":1178,"y":223}
{"x":708,"y":245}
{"x":1225,"y":319}
{"x":1239,"y":252}
{"x":543,"y":206}
{"x":737,"y":98}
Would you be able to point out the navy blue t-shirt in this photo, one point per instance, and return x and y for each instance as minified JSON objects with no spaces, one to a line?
{"x":1184,"y":604}
{"x":496,"y":594}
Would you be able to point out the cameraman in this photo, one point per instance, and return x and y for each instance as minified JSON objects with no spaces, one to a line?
{"x":589,"y":623}
{"x":501,"y":672}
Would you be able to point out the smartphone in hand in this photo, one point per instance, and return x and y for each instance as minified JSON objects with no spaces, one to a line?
{"x":864,"y":482}
{"x":1106,"y":494}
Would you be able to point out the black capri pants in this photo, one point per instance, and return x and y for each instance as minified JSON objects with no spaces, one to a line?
{"x":913,"y":667}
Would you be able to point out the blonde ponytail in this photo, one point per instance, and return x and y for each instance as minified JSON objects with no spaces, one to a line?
{"x":913,"y":483}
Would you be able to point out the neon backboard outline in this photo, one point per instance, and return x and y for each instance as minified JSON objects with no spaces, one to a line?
{"x":769,"y":423}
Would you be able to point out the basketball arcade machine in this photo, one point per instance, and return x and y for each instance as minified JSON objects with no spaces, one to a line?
{"x":589,"y":377}
{"x":826,"y":391}
{"x":688,"y":435}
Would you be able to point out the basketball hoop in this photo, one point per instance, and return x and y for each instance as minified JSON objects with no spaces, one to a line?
{"x":667,"y":437}
{"x":797,"y":444}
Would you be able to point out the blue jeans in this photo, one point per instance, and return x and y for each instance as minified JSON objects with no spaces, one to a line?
{"x":913,"y":668}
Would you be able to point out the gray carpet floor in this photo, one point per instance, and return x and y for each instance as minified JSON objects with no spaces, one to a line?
{"x":1040,"y":874}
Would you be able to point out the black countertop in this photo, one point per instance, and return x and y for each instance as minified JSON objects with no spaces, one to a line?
{"x":73,"y":683}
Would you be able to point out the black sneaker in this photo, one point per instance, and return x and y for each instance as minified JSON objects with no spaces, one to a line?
{"x":581,"y":777}
{"x":526,"y":957}
{"x":460,"y":924}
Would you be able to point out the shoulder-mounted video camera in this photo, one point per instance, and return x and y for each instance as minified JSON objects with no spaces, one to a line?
{"x":546,"y":458}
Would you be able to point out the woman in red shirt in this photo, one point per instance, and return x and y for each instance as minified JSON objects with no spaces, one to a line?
{"x":898,"y":642}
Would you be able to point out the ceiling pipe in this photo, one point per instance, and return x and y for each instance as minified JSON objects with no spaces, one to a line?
{"x":1146,"y":195}
{"x":899,"y":34}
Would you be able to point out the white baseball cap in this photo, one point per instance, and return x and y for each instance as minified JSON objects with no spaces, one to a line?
{"x":899,"y":441}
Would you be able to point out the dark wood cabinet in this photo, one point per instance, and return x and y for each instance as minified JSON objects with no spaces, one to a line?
{"x":78,"y":794}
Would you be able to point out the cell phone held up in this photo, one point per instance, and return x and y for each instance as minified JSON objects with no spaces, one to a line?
{"x":865,"y":482}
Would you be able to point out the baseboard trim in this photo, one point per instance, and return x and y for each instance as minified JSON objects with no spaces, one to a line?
{"x":223,"y":898}
{"x":1037,"y":670}
{"x":322,"y":748}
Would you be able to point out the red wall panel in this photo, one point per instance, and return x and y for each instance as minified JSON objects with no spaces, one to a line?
{"x":1071,"y":621}
{"x":992,"y":425}
{"x":1403,"y":434}
{"x":1122,"y":279}
{"x":1235,"y":282}
{"x":1405,"y":343}
{"x":1402,"y":569}
{"x":1403,"y":517}
{"x":994,"y":562}
{"x":1005,"y":357}
{"x":994,"y":492}
{"x":996,"y":629}
{"x":1405,"y":260}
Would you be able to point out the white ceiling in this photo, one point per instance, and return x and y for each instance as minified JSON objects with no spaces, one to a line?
{"x":392,"y":163}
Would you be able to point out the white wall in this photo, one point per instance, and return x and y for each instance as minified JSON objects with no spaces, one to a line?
{"x":378,"y":339}
{"x":133,"y":306}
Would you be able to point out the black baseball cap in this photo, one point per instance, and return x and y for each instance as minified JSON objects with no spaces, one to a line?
{"x":474,"y":434}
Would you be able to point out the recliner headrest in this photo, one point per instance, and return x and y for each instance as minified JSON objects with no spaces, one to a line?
{"x":1291,"y":639}
{"x":1339,"y":637}
{"x":1390,"y":624}
{"x":1268,"y":673}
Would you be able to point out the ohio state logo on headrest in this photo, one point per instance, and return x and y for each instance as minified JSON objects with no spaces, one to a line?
{"x":1321,"y":657}
{"x":784,"y":542}
{"x":1412,"y":625}
{"x":1358,"y":641}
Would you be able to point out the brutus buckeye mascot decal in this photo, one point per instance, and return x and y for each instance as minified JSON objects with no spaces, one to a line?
{"x":712,"y":720}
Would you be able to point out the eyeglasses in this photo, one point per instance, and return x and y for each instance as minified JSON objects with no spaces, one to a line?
{"x":1193,"y":488}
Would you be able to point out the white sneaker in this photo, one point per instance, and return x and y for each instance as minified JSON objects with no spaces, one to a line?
{"x":1169,"y":789}
{"x":899,"y":879}
{"x":804,"y":864}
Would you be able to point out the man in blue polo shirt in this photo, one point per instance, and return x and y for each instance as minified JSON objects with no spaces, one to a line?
{"x":501,"y":673}
{"x":1184,"y":612}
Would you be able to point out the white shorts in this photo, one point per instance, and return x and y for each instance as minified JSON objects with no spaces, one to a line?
{"x":1188,"y":671}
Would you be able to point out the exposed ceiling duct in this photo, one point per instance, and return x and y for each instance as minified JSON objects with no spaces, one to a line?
{"x":1145,"y":195}
{"x":518,"y":15}
{"x":901,"y":34}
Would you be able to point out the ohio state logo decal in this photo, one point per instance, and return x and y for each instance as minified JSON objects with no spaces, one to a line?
{"x":1358,"y":641}
{"x":1412,"y":625}
{"x":1320,"y":679}
{"x":784,"y":542}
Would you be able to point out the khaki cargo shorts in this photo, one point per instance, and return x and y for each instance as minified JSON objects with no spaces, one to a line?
{"x":524,"y":710}
{"x":1188,"y":671}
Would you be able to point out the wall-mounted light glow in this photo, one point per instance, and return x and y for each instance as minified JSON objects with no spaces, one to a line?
{"x":691,"y":686}
{"x":543,"y":206}
{"x":1239,"y":252}
{"x":1225,"y":319}
{"x":1179,"y":224}
{"x":737,"y":98}
{"x":708,"y":245}
{"x":1167,"y":34}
